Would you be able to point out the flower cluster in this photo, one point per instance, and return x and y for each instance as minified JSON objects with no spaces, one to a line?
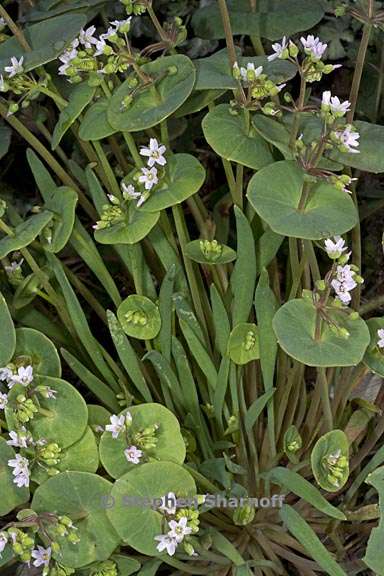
{"x":258,"y":85}
{"x":211,"y":249}
{"x":14,"y":271}
{"x":138,"y":442}
{"x":12,"y":375}
{"x":180,"y":523}
{"x":336,"y":466}
{"x":344,"y":277}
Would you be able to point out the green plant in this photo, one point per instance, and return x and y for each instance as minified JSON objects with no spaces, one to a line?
{"x":193,"y":255}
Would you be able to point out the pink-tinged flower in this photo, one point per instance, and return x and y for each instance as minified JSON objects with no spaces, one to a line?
{"x":313,"y":46}
{"x":279,"y":50}
{"x":133,"y":454}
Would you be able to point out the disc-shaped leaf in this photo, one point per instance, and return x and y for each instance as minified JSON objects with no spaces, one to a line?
{"x":173,"y":76}
{"x":170,"y":445}
{"x":80,"y":97}
{"x":37,"y":350}
{"x":228,"y":134}
{"x":197,"y":252}
{"x":24,"y":233}
{"x":8,"y":337}
{"x":329,"y":460}
{"x":11,"y":495}
{"x":185,"y":176}
{"x":62,"y":204}
{"x":47,"y":40}
{"x":65,"y":418}
{"x":243,"y":344}
{"x":83,"y":456}
{"x":214,"y":72}
{"x":374,"y":356}
{"x":98,"y":417}
{"x":95,"y":125}
{"x":198,"y":100}
{"x":139,"y":317}
{"x":138,"y":525}
{"x":275,"y":194}
{"x":136,"y":225}
{"x":369,"y":158}
{"x":81,"y":496}
{"x":271,"y":20}
{"x":295,"y":325}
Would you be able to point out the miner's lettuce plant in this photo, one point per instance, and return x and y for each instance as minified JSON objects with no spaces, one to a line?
{"x":181,"y":302}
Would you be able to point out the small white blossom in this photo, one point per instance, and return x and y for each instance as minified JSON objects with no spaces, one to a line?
{"x":167,"y":543}
{"x":129,"y":192}
{"x":3,"y":542}
{"x":250,"y":73}
{"x":342,"y":291}
{"x":16,"y":66}
{"x":5,"y":374}
{"x":348,"y":139}
{"x":333,"y":104}
{"x":86,"y":37}
{"x":278,"y":49}
{"x":14,"y":266}
{"x":380,"y":335}
{"x":149,"y":177}
{"x":155,"y":153}
{"x":42,"y":556}
{"x":313,"y":46}
{"x":345,"y":275}
{"x":66,"y":58}
{"x":169,"y":503}
{"x":21,"y":470}
{"x":2,"y":22}
{"x":116,"y":426}
{"x":119,"y":23}
{"x":23,"y":376}
{"x":100,"y":47}
{"x":179,"y":529}
{"x":110,"y":32}
{"x":133,"y":454}
{"x":335,"y":247}
{"x":51,"y":393}
{"x":18,"y":439}
{"x":3,"y":401}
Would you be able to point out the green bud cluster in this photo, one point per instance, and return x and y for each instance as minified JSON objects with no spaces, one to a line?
{"x":25,"y":409}
{"x":135,"y":7}
{"x":22,"y":543}
{"x":110,"y":215}
{"x":59,"y":570}
{"x":107,"y":568}
{"x":243,"y":515}
{"x":192,"y":516}
{"x":50,"y":454}
{"x":211,"y":249}
{"x":336,"y":466}
{"x":137,"y":317}
{"x":249,"y":341}
{"x":264,"y":88}
{"x":146,"y":439}
{"x":314,"y":69}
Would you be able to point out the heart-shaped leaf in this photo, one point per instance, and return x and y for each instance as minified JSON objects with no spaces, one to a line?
{"x":295,"y":325}
{"x":369,"y":158}
{"x":95,"y":125}
{"x":275,"y":193}
{"x":136,"y":225}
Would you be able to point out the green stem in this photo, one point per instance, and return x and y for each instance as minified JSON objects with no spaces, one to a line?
{"x":156,"y":23}
{"x":299,"y":108}
{"x":228,"y":32}
{"x":324,"y":395}
{"x":113,"y":184}
{"x":359,"y":67}
{"x":18,"y":34}
{"x":133,"y":149}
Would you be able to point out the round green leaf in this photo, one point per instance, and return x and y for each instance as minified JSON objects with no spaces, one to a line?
{"x":271,"y":20}
{"x":243,"y":345}
{"x":227,"y":133}
{"x":329,"y":460}
{"x":24,"y":233}
{"x":98,"y":416}
{"x":295,"y":323}
{"x":185,"y":176}
{"x":65,"y":418}
{"x":62,"y":204}
{"x":275,"y":194}
{"x":38,"y":351}
{"x":170,"y":445}
{"x":151,"y":105}
{"x":197,"y":252}
{"x":82,"y":456}
{"x":135,"y":227}
{"x":8,"y":334}
{"x":81,"y":496}
{"x":11,"y":495}
{"x":374,"y":356}
{"x":198,"y":100}
{"x":370,"y":158}
{"x":94,"y":125}
{"x":138,"y":526}
{"x":139,"y":317}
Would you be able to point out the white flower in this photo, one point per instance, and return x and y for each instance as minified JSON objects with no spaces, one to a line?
{"x":149,"y":177}
{"x":119,"y":23}
{"x":24,"y":376}
{"x":333,"y":104}
{"x":169,"y":503}
{"x":3,"y":542}
{"x":2,"y":22}
{"x":5,"y":373}
{"x":335,"y":247}
{"x":155,"y":153}
{"x":342,"y":291}
{"x":116,"y":426}
{"x":129,"y":192}
{"x":51,"y":393}
{"x":313,"y":47}
{"x":380,"y":334}
{"x":86,"y":37}
{"x":110,"y":32}
{"x":3,"y":401}
{"x":345,"y":275}
{"x":250,"y":73}
{"x":16,"y":66}
{"x":100,"y":46}
{"x":66,"y":58}
{"x":278,"y":49}
{"x":42,"y":556}
{"x":14,"y":266}
{"x":179,"y":529}
{"x":133,"y":454}
{"x":18,"y":440}
{"x":21,"y":470}
{"x":348,"y":138}
{"x":166,"y":543}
